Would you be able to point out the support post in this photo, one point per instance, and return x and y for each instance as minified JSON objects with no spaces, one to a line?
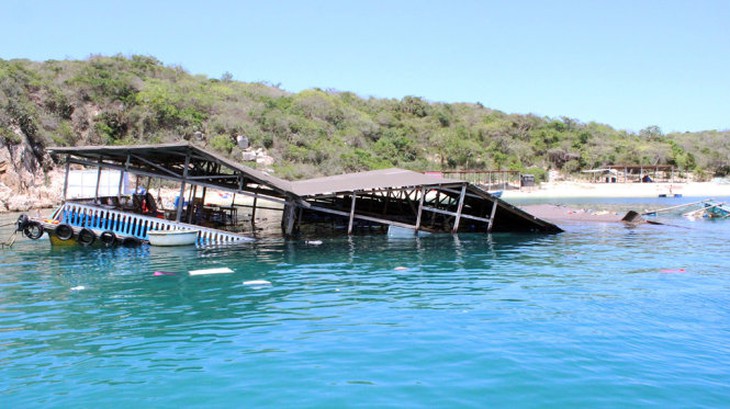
{"x":181,"y":196}
{"x":422,"y":191}
{"x":459,"y":208}
{"x":290,"y":215}
{"x":253,"y":211}
{"x":352,"y":213}
{"x":491,"y":216}
{"x":119,"y":187}
{"x":65,"y":182}
{"x":191,"y":203}
{"x":98,"y":181}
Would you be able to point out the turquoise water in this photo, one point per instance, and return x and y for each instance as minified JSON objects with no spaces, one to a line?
{"x":600,"y":316}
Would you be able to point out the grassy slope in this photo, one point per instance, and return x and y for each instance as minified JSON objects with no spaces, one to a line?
{"x":137,"y":99}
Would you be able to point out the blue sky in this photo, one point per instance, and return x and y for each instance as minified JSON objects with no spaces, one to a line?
{"x":629,"y":64}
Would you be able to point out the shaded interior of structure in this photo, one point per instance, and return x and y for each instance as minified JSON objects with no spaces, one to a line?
{"x":436,"y":210}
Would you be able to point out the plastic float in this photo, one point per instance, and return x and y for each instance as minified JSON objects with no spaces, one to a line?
{"x":221,"y":270}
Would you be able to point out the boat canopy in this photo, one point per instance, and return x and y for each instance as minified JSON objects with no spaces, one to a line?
{"x":181,"y":162}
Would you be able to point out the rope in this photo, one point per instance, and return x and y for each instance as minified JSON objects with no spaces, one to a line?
{"x":9,"y":243}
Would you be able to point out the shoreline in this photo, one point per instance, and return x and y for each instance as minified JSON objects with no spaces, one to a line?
{"x":543,"y":191}
{"x":565,"y":190}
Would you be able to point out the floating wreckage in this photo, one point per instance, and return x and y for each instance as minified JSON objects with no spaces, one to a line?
{"x":704,"y":209}
{"x":366,"y":201}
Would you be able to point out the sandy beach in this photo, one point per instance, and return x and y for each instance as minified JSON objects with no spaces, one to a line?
{"x":562,"y":215}
{"x":556,"y":190}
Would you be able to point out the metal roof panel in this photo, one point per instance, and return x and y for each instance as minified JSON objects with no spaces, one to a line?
{"x":370,"y":180}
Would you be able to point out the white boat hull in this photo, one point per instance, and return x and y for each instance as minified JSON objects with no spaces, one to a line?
{"x":172,"y":237}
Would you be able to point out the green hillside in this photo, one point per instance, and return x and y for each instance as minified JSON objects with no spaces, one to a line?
{"x":133,"y":100}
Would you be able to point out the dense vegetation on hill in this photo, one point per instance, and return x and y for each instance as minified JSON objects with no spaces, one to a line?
{"x":137,"y":99}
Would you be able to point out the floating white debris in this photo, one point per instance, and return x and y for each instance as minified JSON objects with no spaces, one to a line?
{"x":313,"y":242}
{"x":78,"y":288}
{"x":396,"y":232}
{"x":222,"y":270}
{"x":400,"y":268}
{"x":257,"y":282}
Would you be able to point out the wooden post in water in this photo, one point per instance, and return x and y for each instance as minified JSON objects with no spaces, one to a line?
{"x":253,"y":211}
{"x":422,"y":191}
{"x":491,"y":216}
{"x":352,"y":213}
{"x":289,"y":216}
{"x":459,"y":208}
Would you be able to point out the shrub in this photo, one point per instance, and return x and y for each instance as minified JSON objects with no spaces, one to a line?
{"x":222,"y":143}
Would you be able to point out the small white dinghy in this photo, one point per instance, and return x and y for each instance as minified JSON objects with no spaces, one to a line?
{"x":172,"y":237}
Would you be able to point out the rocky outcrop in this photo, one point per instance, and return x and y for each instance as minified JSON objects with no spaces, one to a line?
{"x":27,"y":180}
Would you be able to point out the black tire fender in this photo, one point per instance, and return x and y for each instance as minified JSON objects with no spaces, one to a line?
{"x":64,"y":232}
{"x":108,"y":238}
{"x":86,"y":237}
{"x":22,"y":222}
{"x":131,"y":242}
{"x":33,"y":230}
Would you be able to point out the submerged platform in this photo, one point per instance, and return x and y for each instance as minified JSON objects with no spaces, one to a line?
{"x":373,"y":200}
{"x":406,"y":199}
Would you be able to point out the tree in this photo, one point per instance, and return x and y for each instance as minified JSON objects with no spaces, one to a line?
{"x":652,"y":132}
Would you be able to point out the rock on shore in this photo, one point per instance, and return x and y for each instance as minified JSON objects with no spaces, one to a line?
{"x":24,"y":184}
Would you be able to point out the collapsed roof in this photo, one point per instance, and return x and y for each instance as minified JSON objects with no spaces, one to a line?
{"x":385,"y":197}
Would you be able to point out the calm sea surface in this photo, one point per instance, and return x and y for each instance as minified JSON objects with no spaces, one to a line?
{"x":601,"y":316}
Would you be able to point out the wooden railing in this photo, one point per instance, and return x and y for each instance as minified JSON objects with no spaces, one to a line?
{"x":124,"y":224}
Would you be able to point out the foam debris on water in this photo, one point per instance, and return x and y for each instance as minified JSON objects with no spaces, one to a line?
{"x":221,"y":270}
{"x":257,"y":282}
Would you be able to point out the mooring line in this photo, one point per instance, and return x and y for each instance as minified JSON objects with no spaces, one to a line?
{"x":9,"y":242}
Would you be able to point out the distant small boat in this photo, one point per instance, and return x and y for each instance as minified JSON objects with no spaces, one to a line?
{"x":172,"y":237}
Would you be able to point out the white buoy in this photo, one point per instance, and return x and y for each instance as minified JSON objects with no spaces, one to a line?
{"x":313,"y":242}
{"x":78,"y":288}
{"x":222,"y":270}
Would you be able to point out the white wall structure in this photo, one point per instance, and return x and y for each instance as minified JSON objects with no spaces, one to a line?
{"x":82,"y":183}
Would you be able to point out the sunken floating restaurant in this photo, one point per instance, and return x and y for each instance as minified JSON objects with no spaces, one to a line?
{"x":380,"y":200}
